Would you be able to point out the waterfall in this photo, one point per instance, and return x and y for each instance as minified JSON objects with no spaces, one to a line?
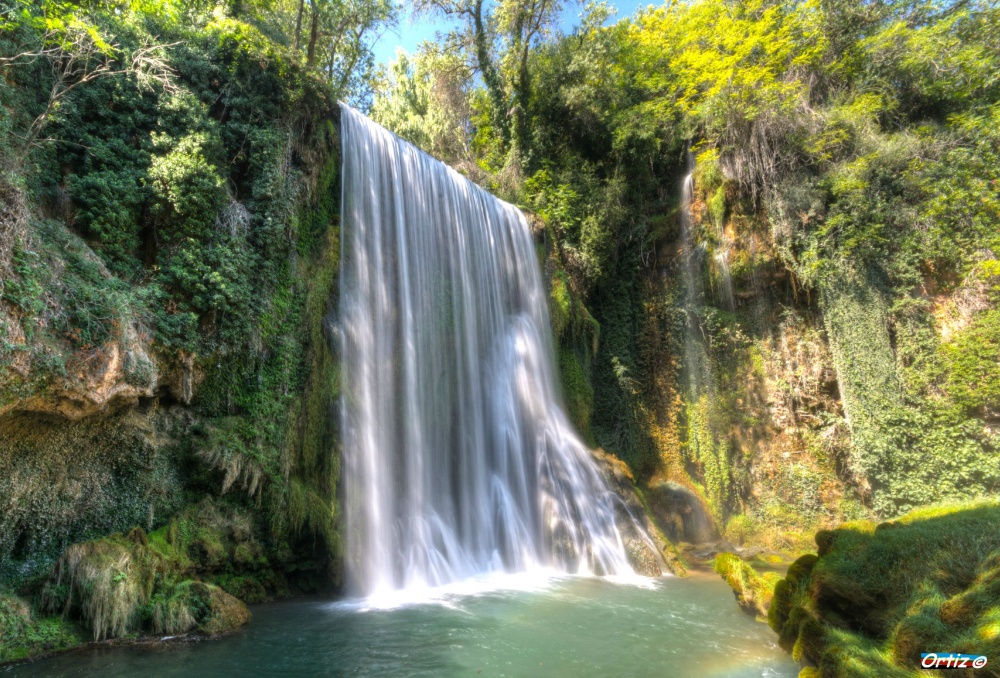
{"x":695,"y":361}
{"x":458,"y":458}
{"x":725,"y":295}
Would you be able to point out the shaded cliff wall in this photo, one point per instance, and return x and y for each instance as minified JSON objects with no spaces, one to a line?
{"x":167,"y":354}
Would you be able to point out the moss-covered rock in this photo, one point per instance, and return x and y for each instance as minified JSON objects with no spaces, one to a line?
{"x":876,"y":597}
{"x":787,"y":597}
{"x":753,"y":590}
{"x":171,"y":581}
{"x":226,"y":613}
{"x":191,"y":605}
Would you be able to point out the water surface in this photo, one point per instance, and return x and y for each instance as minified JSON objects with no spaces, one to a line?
{"x":568,"y":626}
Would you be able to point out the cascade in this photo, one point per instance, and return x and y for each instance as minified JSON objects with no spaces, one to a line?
{"x":725,"y":293}
{"x":458,"y":457}
{"x":695,"y":361}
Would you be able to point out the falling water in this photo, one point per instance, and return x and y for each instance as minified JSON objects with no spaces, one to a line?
{"x":725,"y":276}
{"x":458,"y":459}
{"x":694,"y":360}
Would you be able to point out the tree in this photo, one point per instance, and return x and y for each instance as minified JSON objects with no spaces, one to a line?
{"x":77,"y":54}
{"x":524,"y":23}
{"x":498,"y":39}
{"x":341,"y":36}
{"x":425,"y":99}
{"x":476,"y":37}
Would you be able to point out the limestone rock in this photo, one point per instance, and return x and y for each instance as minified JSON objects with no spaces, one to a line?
{"x":649,"y":552}
{"x":680,"y":513}
{"x":228,"y":613}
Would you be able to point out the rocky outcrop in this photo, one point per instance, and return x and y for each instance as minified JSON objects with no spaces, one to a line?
{"x":106,"y":378}
{"x":754,"y":591}
{"x":649,"y":552}
{"x":680,"y":513}
{"x":226,"y":613}
{"x":877,"y":596}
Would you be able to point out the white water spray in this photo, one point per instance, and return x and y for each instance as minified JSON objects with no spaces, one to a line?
{"x":458,"y":459}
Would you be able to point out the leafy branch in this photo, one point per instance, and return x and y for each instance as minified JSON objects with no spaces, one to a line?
{"x":78,"y":54}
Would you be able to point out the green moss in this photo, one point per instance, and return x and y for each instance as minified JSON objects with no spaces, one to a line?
{"x":788,"y":604}
{"x":973,"y":362}
{"x":76,"y":481}
{"x":857,"y":322}
{"x":740,"y":529}
{"x":707,"y":171}
{"x":105,"y":583}
{"x":193,"y":605}
{"x":225,"y":613}
{"x":560,"y":303}
{"x":753,"y":590}
{"x":878,"y":596}
{"x":577,"y":391}
{"x":717,"y":206}
{"x":163,"y":582}
{"x":902,"y":428}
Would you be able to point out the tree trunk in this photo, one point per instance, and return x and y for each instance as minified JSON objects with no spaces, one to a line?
{"x":313,"y":35}
{"x":298,"y":26}
{"x":490,"y":76}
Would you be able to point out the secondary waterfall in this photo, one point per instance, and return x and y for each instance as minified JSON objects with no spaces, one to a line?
{"x":694,"y":359}
{"x":458,"y":458}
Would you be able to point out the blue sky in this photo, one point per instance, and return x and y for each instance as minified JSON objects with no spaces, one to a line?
{"x":411,"y":31}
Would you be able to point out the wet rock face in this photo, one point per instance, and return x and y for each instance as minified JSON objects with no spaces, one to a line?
{"x":643,"y":557}
{"x":65,"y":481}
{"x":680,"y":514}
{"x":649,"y":553}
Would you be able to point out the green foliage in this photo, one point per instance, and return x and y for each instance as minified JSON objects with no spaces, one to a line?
{"x":25,"y":634}
{"x":89,"y":308}
{"x":912,"y":448}
{"x":847,"y":167}
{"x":855,"y":188}
{"x":187,"y":188}
{"x":858,"y":329}
{"x":618,"y":414}
{"x":424,"y":99}
{"x":710,"y":455}
{"x":577,"y":391}
{"x":64,"y":482}
{"x":191,"y":236}
{"x":973,"y":364}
